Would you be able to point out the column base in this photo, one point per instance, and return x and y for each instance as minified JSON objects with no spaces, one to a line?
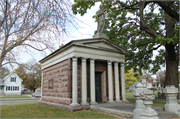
{"x":118,"y":101}
{"x":125,"y":101}
{"x":111,"y":101}
{"x":93,"y":103}
{"x":84,"y":103}
{"x":74,"y":104}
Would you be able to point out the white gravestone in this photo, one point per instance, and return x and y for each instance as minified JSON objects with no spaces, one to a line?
{"x":148,"y":113}
{"x":171,"y":99}
{"x":139,"y":103}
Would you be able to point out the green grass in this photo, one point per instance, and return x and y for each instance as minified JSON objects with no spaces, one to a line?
{"x":15,"y":96}
{"x":43,"y":111}
{"x":154,"y":104}
{"x":129,"y":95}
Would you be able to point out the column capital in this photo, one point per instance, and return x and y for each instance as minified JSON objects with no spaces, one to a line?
{"x":83,"y":58}
{"x":122,"y":64}
{"x":109,"y":62}
{"x":92,"y":60}
{"x":74,"y":58}
{"x":116,"y":63}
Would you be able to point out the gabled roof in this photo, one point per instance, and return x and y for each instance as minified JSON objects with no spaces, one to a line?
{"x":11,"y":75}
{"x":96,"y":43}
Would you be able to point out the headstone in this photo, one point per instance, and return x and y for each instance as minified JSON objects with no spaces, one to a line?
{"x":171,"y":99}
{"x":148,"y":113}
{"x":139,"y":103}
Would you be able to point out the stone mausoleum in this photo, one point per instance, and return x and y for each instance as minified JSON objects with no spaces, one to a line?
{"x":82,"y":73}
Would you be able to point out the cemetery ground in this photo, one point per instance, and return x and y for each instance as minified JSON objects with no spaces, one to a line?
{"x":35,"y":110}
{"x":131,"y":98}
{"x":43,"y":111}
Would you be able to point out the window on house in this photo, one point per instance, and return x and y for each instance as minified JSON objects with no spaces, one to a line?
{"x":13,"y":79}
{"x":18,"y":88}
{"x":9,"y":88}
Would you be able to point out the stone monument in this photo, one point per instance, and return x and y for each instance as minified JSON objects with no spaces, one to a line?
{"x":148,"y":113}
{"x":139,"y":103}
{"x":101,"y":25}
{"x":171,"y":99}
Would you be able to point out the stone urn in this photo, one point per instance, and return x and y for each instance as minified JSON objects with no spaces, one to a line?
{"x":148,"y":113}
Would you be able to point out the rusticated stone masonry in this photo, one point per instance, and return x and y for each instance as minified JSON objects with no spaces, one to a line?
{"x":55,"y":87}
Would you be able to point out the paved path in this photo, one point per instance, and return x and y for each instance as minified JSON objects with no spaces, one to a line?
{"x":4,"y":103}
{"x":126,"y":110}
{"x":15,"y":101}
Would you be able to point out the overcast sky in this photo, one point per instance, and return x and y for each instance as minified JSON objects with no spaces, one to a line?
{"x":85,"y":30}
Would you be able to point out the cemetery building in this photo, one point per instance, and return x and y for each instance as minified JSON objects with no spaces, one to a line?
{"x":82,"y":73}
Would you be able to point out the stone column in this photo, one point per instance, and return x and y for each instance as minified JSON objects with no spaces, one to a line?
{"x":123,"y":86}
{"x":116,"y":74}
{"x":84,"y":82}
{"x":92,"y":81}
{"x":74,"y":83}
{"x":171,"y":99}
{"x":41,"y":84}
{"x":110,"y":85}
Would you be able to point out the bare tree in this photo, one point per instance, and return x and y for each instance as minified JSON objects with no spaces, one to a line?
{"x":36,"y":24}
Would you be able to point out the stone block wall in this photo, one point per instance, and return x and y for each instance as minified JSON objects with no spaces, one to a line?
{"x":56,"y":81}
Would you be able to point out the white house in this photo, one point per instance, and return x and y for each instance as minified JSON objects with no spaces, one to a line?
{"x":12,"y":84}
{"x":152,"y":83}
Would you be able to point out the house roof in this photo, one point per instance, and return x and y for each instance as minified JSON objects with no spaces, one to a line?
{"x":88,"y":43}
{"x":150,"y":80}
{"x":10,"y":76}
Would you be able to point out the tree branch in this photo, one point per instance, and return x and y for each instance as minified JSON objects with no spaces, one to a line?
{"x":34,"y":47}
{"x":143,"y":25}
{"x":168,"y":10}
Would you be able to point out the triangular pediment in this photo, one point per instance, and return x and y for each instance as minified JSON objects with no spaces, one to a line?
{"x":93,"y":43}
{"x":101,"y":44}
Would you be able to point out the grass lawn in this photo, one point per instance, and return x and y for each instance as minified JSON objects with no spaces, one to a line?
{"x":15,"y":96}
{"x":130,"y":95}
{"x":43,"y":111}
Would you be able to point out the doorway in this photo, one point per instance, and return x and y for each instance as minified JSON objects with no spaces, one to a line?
{"x":98,"y":86}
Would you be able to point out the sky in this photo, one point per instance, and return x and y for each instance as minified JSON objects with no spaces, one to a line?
{"x":84,"y":31}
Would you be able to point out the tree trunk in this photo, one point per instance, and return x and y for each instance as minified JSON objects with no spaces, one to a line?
{"x":171,"y":56}
{"x":171,"y":70}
